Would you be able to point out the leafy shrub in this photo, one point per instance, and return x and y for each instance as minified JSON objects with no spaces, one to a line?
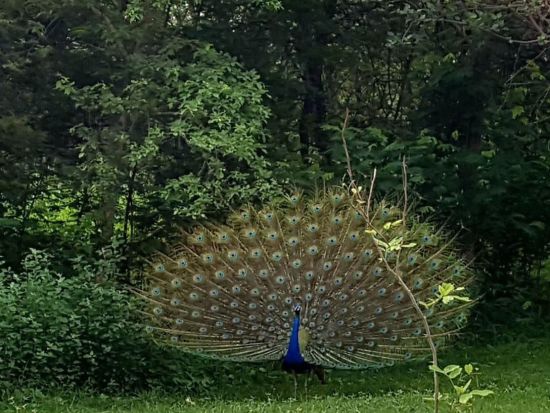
{"x":78,"y":332}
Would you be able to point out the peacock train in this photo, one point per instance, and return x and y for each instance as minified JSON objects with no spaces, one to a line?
{"x":311,"y":282}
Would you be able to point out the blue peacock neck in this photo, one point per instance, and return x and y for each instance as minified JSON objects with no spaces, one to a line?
{"x":293,"y":355}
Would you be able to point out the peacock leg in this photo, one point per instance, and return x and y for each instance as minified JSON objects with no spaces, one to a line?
{"x":295,"y":385}
{"x":320,"y":373}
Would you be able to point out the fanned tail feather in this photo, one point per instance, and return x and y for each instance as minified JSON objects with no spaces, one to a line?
{"x":227,"y":291}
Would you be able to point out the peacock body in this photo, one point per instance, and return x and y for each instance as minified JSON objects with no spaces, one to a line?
{"x":307,"y":282}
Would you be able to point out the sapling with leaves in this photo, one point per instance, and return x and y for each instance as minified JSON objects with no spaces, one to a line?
{"x":465,"y":386}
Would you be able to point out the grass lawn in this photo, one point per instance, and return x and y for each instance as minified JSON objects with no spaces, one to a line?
{"x":518,"y":373}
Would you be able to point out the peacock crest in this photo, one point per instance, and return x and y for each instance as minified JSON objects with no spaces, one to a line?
{"x":310,"y":268}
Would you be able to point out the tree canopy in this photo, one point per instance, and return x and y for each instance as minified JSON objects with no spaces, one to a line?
{"x":121,"y":119}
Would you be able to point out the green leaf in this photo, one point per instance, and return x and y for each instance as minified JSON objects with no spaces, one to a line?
{"x":381,"y":243}
{"x":469,"y":368}
{"x":482,"y":393}
{"x":465,"y":398}
{"x":435,"y":368}
{"x":517,"y":110}
{"x":394,"y":224}
{"x":452,"y":370}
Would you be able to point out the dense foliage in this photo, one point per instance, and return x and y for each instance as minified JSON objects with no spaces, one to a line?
{"x":121,"y":119}
{"x":80,"y":332}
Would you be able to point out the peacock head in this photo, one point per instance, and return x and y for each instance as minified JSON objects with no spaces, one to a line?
{"x":297,"y":309}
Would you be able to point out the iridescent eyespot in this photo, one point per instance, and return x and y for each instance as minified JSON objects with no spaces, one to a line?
{"x":293,"y":241}
{"x":316,"y":208}
{"x":208,"y":258}
{"x":293,"y":220}
{"x":337,"y":199}
{"x":256,"y":253}
{"x":182,"y":263}
{"x":348,"y":256}
{"x":250,"y":233}
{"x":155,"y":292}
{"x":223,"y":237}
{"x":233,"y":255}
{"x":294,"y":199}
{"x":313,"y":250}
{"x":313,"y":228}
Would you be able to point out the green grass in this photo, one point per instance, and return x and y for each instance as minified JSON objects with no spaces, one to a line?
{"x":518,"y":373}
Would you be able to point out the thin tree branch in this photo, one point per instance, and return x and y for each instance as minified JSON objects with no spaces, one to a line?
{"x":395,"y":271}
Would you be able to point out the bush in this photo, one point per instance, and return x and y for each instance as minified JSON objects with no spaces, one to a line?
{"x":76,"y":332}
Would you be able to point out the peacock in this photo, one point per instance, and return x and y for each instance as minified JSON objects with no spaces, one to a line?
{"x":309,"y":281}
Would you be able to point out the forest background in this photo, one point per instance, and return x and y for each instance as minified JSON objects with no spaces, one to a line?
{"x":121,"y":121}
